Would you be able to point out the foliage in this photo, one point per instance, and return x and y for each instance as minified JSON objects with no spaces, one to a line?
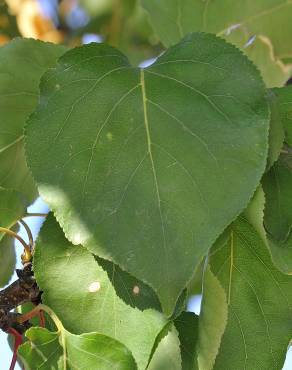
{"x":158,"y":179}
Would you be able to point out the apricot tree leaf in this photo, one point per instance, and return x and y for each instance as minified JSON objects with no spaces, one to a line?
{"x":22,"y":62}
{"x":82,"y":295}
{"x":259,"y":301}
{"x":151,"y":167}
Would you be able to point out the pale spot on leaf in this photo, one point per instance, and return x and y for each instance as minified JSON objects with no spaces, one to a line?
{"x":136,"y":290}
{"x":94,"y":287}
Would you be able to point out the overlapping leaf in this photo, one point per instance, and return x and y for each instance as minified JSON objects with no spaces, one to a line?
{"x":285,"y":102}
{"x":22,"y":62}
{"x":85,"y":351}
{"x":259,"y":302}
{"x":7,"y":259}
{"x":256,"y":17}
{"x":12,"y":209}
{"x":82,"y":295}
{"x":277,"y":185}
{"x":151,"y":167}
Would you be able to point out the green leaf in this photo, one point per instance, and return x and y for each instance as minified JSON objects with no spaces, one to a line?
{"x":167,"y":355}
{"x":7,"y":258}
{"x":271,"y":19}
{"x":86,"y":351}
{"x":131,"y":290}
{"x":12,"y":208}
{"x":276,"y":134}
{"x":259,"y":301}
{"x":22,"y":62}
{"x":187,"y":325}
{"x":143,"y":178}
{"x":277,"y":185}
{"x":41,"y":351}
{"x":285,"y":101}
{"x":212,"y":321}
{"x":81,"y":294}
{"x":260,"y":51}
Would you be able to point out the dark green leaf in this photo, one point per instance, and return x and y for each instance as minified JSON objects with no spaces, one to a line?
{"x":131,"y":290}
{"x":187,"y":325}
{"x":259,"y":300}
{"x":285,"y":101}
{"x":276,"y":134}
{"x":151,"y":167}
{"x":82,"y":295}
{"x":22,"y":62}
{"x":277,"y":185}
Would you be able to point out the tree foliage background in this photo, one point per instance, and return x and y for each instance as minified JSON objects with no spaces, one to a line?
{"x":163,"y":182}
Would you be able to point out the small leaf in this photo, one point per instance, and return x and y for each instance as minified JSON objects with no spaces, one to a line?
{"x":41,"y":351}
{"x":22,"y":62}
{"x":285,"y":101}
{"x":85,"y":351}
{"x":277,"y":185}
{"x":81,"y":294}
{"x":259,"y":322}
{"x":142,"y":180}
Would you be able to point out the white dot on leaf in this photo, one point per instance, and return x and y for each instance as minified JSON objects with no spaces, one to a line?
{"x":94,"y":287}
{"x":136,"y":290}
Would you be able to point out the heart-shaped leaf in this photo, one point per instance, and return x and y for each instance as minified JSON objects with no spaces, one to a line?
{"x":22,"y":62}
{"x":259,"y":301}
{"x":150,"y":175}
{"x":83,"y":297}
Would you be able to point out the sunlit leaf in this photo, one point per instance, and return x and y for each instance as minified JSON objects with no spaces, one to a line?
{"x":167,"y":355}
{"x":172,"y":19}
{"x":85,"y":351}
{"x":151,"y":167}
{"x":81,"y":294}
